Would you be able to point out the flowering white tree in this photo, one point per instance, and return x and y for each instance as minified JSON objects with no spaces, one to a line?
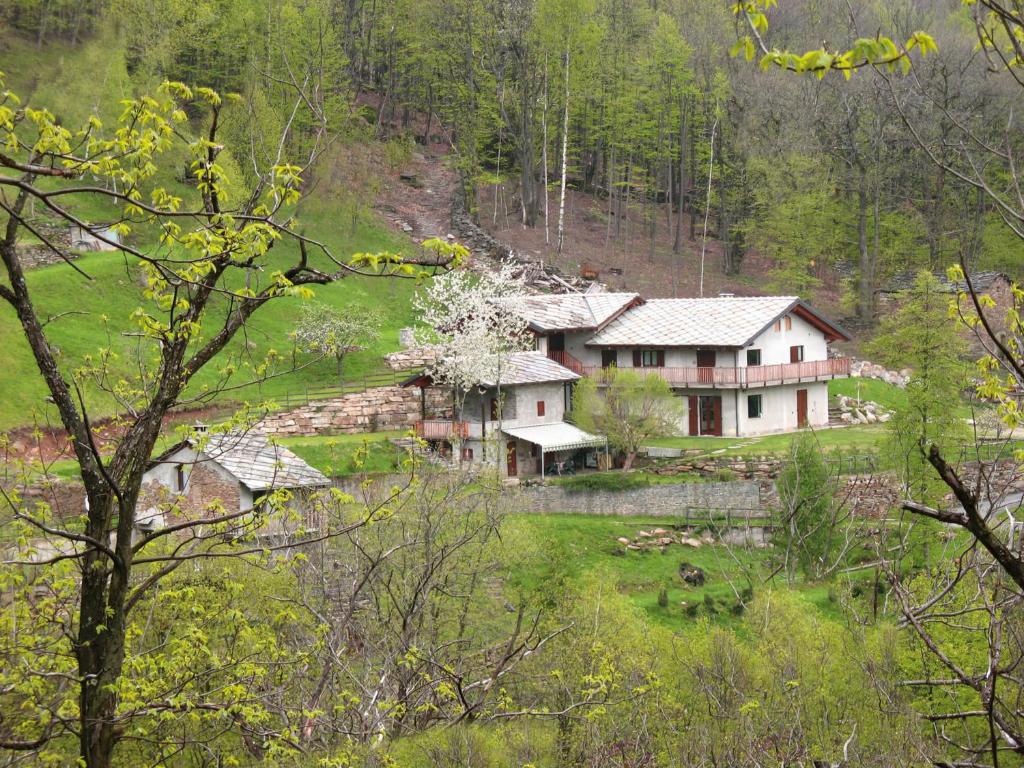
{"x":334,"y":332}
{"x":475,"y":322}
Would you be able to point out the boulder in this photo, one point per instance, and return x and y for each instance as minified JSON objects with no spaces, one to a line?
{"x":691,"y":574}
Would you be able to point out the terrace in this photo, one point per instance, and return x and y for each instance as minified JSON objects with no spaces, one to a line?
{"x":729,"y":377}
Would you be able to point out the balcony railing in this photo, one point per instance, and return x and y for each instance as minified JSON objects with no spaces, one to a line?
{"x":439,"y":429}
{"x":566,"y":360}
{"x":751,"y":376}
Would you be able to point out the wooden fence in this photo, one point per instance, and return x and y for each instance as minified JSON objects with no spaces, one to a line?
{"x":350,"y":385}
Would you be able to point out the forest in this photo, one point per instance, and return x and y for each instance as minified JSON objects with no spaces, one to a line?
{"x":236,"y":150}
{"x":642,"y":105}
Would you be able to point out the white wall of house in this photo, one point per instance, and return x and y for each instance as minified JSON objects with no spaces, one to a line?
{"x":521,"y":409}
{"x":775,"y":344}
{"x":778,"y":408}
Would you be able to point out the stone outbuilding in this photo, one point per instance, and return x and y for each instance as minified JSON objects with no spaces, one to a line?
{"x":234,"y":470}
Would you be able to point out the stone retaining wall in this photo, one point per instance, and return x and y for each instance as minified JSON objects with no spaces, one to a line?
{"x":739,"y":497}
{"x":379,"y":409}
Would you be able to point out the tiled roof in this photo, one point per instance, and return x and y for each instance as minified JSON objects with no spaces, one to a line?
{"x":715,"y":322}
{"x":574,"y":311}
{"x":259,"y":464}
{"x":531,"y":368}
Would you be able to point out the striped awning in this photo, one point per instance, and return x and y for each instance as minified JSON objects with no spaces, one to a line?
{"x":556,"y":437}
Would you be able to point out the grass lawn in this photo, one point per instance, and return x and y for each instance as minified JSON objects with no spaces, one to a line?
{"x":101,"y":307}
{"x":861,"y":439}
{"x":574,"y":545}
{"x":875,"y":390}
{"x":338,"y":455}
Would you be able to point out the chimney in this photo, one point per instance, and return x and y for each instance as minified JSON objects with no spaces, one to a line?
{"x":200,"y":429}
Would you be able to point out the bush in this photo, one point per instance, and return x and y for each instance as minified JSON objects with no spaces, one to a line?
{"x":663,"y":597}
{"x":709,"y":605}
{"x":604,"y":481}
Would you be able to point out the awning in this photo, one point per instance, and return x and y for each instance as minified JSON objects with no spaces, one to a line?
{"x":556,"y":437}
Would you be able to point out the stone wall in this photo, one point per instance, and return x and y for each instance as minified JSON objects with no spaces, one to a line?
{"x":379,"y":409}
{"x":415,"y":357}
{"x":741,"y":498}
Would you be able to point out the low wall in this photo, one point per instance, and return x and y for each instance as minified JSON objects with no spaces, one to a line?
{"x":740,"y":497}
{"x":379,"y":409}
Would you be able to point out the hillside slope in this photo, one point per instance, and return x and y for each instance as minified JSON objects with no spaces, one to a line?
{"x":91,"y":314}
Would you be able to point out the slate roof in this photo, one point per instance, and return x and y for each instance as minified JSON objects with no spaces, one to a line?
{"x":255,"y":462}
{"x":550,"y":312}
{"x":982,"y":281}
{"x":732,"y":321}
{"x":532,"y":368}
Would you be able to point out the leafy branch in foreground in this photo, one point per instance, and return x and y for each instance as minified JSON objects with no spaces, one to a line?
{"x":209,"y":273}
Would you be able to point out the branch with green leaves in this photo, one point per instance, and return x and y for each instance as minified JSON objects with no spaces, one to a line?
{"x":878,"y":51}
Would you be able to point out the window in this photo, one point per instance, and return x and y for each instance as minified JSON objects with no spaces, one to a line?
{"x":778,"y":326}
{"x":495,"y":409}
{"x":754,"y":405}
{"x":467,"y":454}
{"x":652,"y":358}
{"x":179,"y":478}
{"x":796,"y":354}
{"x":540,"y":407}
{"x":753,"y":357}
{"x":789,"y":323}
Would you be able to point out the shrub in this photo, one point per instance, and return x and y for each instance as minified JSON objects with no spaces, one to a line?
{"x":604,"y":481}
{"x":663,"y":597}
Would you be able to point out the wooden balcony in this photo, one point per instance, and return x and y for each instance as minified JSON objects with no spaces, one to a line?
{"x":751,"y":376}
{"x":566,"y":360}
{"x":439,"y":429}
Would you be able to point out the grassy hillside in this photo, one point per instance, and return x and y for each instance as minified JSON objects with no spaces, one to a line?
{"x":76,"y":82}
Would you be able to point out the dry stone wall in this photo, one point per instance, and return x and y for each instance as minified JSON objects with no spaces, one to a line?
{"x":742,"y":497}
{"x":379,"y":409}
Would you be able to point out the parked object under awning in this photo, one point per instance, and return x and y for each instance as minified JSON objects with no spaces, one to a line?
{"x":556,"y":437}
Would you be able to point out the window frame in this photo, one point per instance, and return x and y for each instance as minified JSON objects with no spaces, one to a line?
{"x":540,"y":408}
{"x":650,"y":358}
{"x":799,"y":355}
{"x":750,"y":351}
{"x":759,"y":399}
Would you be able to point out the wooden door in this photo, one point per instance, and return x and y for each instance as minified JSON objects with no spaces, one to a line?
{"x":705,"y":366}
{"x":510,"y":458}
{"x":609,"y":358}
{"x":692,"y":408}
{"x":710,"y":415}
{"x":801,"y":408}
{"x":556,"y":342}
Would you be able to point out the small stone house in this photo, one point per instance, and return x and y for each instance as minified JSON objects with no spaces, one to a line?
{"x":996,"y":285}
{"x":233,"y":469}
{"x":524,"y":416}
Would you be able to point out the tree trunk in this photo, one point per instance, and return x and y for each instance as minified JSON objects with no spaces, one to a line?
{"x":527,"y":179}
{"x":565,"y":150}
{"x":866,"y":276}
{"x":544,"y":155}
{"x":677,"y":244}
{"x":628,"y":463}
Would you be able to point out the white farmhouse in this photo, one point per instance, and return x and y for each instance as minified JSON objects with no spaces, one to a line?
{"x":746,"y":366}
{"x":521,"y":422}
